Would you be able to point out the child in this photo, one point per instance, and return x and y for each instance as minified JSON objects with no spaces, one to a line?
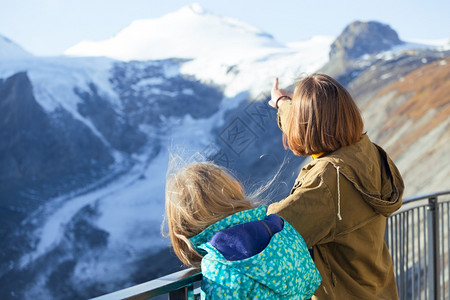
{"x":243,"y":253}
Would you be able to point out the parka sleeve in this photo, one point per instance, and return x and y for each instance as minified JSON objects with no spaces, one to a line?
{"x":311,"y":210}
{"x":220,"y":281}
{"x":282,"y":114}
{"x":214,"y":290}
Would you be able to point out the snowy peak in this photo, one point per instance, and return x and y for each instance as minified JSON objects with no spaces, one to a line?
{"x":195,"y":8}
{"x":189,"y":32}
{"x":10,"y":50}
{"x":360,"y":38}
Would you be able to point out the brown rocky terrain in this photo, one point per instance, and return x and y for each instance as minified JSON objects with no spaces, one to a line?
{"x":411,"y":119}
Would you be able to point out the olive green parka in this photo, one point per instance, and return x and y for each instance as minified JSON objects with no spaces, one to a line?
{"x":339,"y":204}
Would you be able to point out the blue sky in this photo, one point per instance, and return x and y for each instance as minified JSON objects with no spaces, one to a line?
{"x":48,"y":27}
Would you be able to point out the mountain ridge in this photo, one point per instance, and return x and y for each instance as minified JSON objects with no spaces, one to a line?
{"x":189,"y":32}
{"x":11,"y":50}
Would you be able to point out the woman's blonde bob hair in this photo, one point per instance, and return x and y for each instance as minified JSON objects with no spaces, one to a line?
{"x":196,"y":197}
{"x":323,"y":117}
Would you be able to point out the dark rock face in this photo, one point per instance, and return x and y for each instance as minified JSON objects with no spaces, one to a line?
{"x":38,"y":148}
{"x":118,"y":131}
{"x":360,"y":38}
{"x":356,"y":47}
{"x":151,"y":91}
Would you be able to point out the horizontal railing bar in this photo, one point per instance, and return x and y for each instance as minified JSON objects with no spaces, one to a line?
{"x":159,"y":286}
{"x":412,"y":205}
{"x":419,"y":201}
{"x":425,"y":196}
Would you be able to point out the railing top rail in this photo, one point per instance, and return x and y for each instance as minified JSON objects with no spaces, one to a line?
{"x":159,"y":286}
{"x":412,"y":203}
{"x":425,"y":196}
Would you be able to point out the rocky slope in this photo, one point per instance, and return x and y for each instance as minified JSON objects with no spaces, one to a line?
{"x":415,"y":126}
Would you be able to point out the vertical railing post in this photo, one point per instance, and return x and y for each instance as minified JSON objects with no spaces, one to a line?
{"x":184,"y":293}
{"x":433,"y":249}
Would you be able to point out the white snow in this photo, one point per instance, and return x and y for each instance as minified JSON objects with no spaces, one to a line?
{"x":442,"y":44}
{"x":256,"y":74}
{"x":412,"y":44}
{"x":189,"y":32}
{"x":54,"y":79}
{"x":150,"y":81}
{"x":12,"y":51}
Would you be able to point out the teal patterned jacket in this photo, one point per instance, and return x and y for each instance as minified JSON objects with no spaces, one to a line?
{"x":283,"y":270}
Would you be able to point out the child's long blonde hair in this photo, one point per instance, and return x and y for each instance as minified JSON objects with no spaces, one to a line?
{"x":196,"y":197}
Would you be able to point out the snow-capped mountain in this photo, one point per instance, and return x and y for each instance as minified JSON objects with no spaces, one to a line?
{"x":11,"y":51}
{"x":190,"y":32}
{"x":86,"y":139}
{"x":226,"y":51}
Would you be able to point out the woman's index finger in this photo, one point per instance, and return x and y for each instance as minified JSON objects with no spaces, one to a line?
{"x":275,"y":84}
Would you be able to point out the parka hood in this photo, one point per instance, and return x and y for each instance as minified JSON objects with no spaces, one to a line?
{"x":372,"y":172}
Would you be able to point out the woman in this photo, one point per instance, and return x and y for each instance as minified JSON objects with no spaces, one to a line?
{"x":340,"y":200}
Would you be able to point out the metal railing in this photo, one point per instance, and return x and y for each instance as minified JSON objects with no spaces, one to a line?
{"x":416,"y":235}
{"x":177,"y":286}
